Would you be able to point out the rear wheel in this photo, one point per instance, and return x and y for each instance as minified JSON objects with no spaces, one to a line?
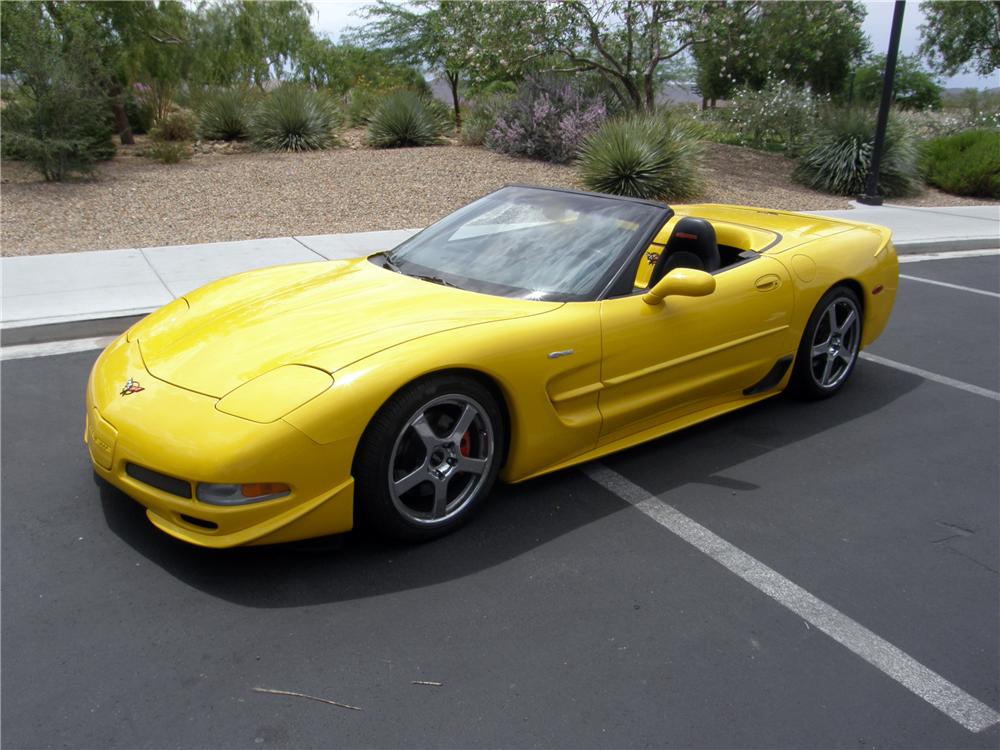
{"x":830,"y":345}
{"x":429,"y":458}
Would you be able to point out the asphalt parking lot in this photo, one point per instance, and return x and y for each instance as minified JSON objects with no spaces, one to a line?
{"x":562,"y":616}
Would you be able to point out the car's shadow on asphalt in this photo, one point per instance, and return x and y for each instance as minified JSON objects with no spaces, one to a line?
{"x":516,"y":519}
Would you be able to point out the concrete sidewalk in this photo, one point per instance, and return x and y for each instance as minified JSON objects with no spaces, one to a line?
{"x":917,"y":230}
{"x":68,"y":287}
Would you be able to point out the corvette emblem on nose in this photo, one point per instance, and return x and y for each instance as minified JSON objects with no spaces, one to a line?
{"x":132,"y":386}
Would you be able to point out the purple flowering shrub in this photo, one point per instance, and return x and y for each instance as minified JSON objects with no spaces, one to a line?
{"x":547,"y":120}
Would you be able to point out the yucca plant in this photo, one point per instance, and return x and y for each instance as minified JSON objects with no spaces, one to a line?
{"x":294,"y":118}
{"x":224,"y":115}
{"x":964,"y":164}
{"x":642,"y":157}
{"x":839,"y":158}
{"x":404,"y":119}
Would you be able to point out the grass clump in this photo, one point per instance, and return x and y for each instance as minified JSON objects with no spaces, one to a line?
{"x":642,"y":157}
{"x":839,"y":157}
{"x":294,"y":118}
{"x":964,"y":164}
{"x":225,"y":115}
{"x":168,"y":152}
{"x":404,"y":119}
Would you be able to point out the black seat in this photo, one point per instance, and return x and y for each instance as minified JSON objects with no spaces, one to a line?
{"x":691,"y":245}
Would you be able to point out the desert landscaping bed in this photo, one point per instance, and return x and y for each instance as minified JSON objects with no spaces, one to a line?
{"x":217,"y":196}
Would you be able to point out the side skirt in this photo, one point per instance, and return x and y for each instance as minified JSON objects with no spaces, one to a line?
{"x":773,"y":378}
{"x":651,"y":433}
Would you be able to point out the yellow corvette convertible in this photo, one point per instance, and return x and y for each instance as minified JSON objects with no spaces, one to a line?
{"x":529,"y":331}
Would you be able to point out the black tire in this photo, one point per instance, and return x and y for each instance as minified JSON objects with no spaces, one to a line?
{"x":829,"y":348}
{"x":409,"y":479}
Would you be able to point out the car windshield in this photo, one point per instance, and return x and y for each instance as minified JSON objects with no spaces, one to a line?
{"x":530,"y":243}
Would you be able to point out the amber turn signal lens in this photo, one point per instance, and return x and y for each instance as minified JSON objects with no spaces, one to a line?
{"x":263,"y":488}
{"x":241,"y":494}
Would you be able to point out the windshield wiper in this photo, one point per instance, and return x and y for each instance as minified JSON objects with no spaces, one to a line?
{"x":433,"y":280}
{"x":388,"y":264}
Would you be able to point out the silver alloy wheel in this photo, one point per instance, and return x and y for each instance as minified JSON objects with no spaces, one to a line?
{"x":835,"y":343}
{"x":441,"y":459}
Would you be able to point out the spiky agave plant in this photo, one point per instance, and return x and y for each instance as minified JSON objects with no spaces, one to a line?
{"x":294,"y":118}
{"x":404,"y":119}
{"x":642,"y":157}
{"x":224,"y":115}
{"x":839,"y":158}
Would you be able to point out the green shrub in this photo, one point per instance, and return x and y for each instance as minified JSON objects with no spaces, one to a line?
{"x":225,"y":115}
{"x":964,"y":164}
{"x":168,"y":152}
{"x":643,"y":157}
{"x":405,"y":119}
{"x":294,"y":118}
{"x":839,"y":158}
{"x":177,"y":125}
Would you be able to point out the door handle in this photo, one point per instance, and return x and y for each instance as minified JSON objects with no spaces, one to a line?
{"x":768,"y":282}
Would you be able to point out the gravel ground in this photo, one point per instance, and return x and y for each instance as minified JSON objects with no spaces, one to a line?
{"x":135,"y":202}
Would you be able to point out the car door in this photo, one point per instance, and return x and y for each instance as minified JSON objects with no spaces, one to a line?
{"x":663,"y":361}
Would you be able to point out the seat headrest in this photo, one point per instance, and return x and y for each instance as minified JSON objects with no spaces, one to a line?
{"x":690,"y":228}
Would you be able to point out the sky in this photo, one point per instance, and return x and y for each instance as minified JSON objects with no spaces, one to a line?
{"x":333,"y":16}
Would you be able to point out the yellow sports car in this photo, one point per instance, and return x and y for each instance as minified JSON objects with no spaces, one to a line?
{"x":529,"y":331}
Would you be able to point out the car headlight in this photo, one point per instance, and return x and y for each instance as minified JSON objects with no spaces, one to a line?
{"x":240,"y":494}
{"x":271,"y":396}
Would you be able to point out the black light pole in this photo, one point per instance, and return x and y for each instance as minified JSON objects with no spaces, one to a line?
{"x":871,"y":196}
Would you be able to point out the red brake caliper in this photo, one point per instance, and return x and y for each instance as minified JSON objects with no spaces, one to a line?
{"x":465,"y":446}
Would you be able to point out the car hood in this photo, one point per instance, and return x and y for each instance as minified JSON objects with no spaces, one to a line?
{"x":325,"y":315}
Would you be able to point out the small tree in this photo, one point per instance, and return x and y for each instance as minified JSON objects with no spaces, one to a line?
{"x":58,"y":119}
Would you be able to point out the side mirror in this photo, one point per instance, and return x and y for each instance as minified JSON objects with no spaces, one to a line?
{"x":683,"y":282}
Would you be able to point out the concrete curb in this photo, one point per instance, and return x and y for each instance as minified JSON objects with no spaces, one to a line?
{"x":956,"y":244}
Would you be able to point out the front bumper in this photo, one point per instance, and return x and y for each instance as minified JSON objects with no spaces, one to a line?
{"x":181,"y":436}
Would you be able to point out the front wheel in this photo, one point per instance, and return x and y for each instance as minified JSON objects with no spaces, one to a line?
{"x":429,"y":458}
{"x":830,"y":345}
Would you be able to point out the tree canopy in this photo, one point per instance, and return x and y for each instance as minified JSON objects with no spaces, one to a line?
{"x":912,"y":87}
{"x":474,"y":41}
{"x":962,"y":36}
{"x":813,"y":44}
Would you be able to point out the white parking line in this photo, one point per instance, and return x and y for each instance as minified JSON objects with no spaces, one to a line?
{"x":950,"y":286}
{"x":928,"y":375}
{"x":49,"y":348}
{"x":903,"y":668}
{"x":952,"y":255}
